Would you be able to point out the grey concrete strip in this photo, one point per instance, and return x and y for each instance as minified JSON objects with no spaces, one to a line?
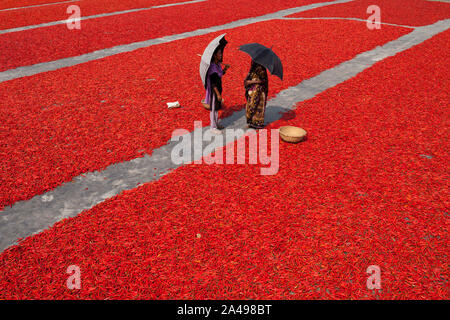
{"x":32,"y":216}
{"x":39,"y":5}
{"x":352,"y":19}
{"x":102,"y":15}
{"x":72,"y":61}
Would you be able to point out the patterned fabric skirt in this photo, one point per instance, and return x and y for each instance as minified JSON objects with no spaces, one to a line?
{"x":255,"y":108}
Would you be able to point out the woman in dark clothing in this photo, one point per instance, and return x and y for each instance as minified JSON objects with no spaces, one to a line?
{"x":256,"y":89}
{"x":214,"y":88}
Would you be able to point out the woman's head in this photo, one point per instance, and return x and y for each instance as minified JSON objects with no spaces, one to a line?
{"x":218,"y":55}
{"x":254,"y":65}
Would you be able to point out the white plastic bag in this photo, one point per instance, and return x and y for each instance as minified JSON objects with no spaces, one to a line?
{"x":175,"y":104}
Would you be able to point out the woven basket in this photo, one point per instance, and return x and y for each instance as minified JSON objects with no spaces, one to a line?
{"x":292,"y":134}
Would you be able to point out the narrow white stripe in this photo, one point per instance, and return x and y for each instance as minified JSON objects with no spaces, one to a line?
{"x":55,"y":23}
{"x":38,"y":5}
{"x":352,"y":19}
{"x":100,"y":54}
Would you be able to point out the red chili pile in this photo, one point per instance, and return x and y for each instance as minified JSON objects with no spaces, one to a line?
{"x":368,"y":187}
{"x":405,"y":12}
{"x":56,"y":12}
{"x":57,"y":125}
{"x":57,"y":42}
{"x":22,"y":3}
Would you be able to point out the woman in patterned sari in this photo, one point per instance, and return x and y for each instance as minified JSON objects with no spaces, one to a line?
{"x":256,"y":88}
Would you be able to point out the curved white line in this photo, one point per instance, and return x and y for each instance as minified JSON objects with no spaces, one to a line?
{"x":99,"y":54}
{"x":340,"y":18}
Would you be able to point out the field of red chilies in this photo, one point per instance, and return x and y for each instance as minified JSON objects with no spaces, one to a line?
{"x":368,"y":187}
{"x":38,"y":45}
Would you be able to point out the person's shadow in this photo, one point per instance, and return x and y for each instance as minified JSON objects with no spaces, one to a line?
{"x":273,"y":113}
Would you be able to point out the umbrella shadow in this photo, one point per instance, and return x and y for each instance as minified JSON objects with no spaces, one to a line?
{"x":236,"y":119}
{"x":275,"y":112}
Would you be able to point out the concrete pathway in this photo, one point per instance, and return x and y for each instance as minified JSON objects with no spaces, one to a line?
{"x":100,"y":54}
{"x":32,"y":216}
{"x":101,"y":15}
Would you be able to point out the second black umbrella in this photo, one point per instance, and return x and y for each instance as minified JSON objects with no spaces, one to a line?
{"x":265,"y":57}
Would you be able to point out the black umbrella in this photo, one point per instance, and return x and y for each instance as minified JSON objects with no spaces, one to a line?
{"x":265,"y":57}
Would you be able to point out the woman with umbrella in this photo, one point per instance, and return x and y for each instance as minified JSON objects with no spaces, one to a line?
{"x":212,"y":79}
{"x":257,"y":82}
{"x":256,"y":89}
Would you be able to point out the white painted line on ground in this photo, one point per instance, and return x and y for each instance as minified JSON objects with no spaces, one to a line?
{"x":39,"y":5}
{"x":55,"y":23}
{"x":176,"y":4}
{"x":352,"y":19}
{"x":100,"y":54}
